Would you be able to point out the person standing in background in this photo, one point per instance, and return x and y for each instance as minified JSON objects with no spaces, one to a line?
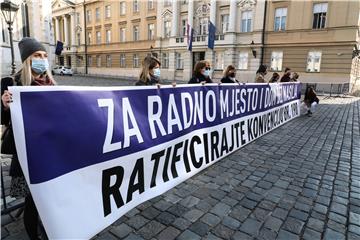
{"x":229,"y":75}
{"x":260,"y":74}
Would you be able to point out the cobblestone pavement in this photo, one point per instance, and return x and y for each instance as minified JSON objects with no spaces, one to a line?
{"x":300,"y":181}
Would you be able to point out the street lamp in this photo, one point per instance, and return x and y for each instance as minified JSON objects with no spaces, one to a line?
{"x":9,"y":10}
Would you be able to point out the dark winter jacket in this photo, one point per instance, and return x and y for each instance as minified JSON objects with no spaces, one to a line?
{"x":152,"y":81}
{"x":198,"y":78}
{"x":227,"y":79}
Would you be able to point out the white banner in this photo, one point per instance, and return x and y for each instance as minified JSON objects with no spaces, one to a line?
{"x":91,"y":154}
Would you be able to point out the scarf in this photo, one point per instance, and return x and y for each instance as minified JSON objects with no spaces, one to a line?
{"x":42,"y":80}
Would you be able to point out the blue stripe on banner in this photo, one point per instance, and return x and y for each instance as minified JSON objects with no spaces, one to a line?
{"x":65,"y":130}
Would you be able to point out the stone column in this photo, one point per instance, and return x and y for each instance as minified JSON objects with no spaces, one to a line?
{"x":175,"y":18}
{"x":232,"y":16}
{"x":213,"y":12}
{"x":66,"y":35}
{"x":57,"y":30}
{"x":72,"y":26}
{"x":191,"y":13}
{"x":187,"y":56}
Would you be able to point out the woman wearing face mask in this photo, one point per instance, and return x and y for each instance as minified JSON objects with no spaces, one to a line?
{"x":260,"y":74}
{"x":201,"y":73}
{"x":34,"y":72}
{"x":150,"y":73}
{"x":229,"y":75}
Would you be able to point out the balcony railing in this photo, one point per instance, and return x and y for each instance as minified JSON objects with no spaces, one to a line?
{"x":201,"y":38}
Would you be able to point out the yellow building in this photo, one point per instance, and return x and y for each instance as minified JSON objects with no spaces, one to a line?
{"x":119,"y":35}
{"x":317,"y":39}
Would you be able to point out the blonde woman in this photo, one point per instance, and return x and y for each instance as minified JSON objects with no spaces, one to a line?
{"x":35,"y":72}
{"x":150,"y":73}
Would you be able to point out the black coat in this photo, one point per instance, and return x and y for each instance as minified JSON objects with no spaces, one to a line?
{"x":198,"y":78}
{"x":152,"y":81}
{"x":285,"y":78}
{"x":227,"y":79}
{"x":15,"y":169}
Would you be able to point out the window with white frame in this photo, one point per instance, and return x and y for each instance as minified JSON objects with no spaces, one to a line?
{"x":243,"y":60}
{"x":276,"y":60}
{"x":135,"y":60}
{"x":280,"y":19}
{"x":136,"y":33}
{"x":108,"y":11}
{"x":108,"y":60}
{"x":150,"y":4}
{"x":320,"y":10}
{"x":219,"y":60}
{"x":179,"y":64}
{"x":89,"y":38}
{"x":183,"y":27}
{"x":135,"y":6}
{"x":167,"y":28}
{"x":203,"y":26}
{"x":246,"y":19}
{"x":122,"y":60}
{"x":89,"y":61}
{"x":224,"y":23}
{"x":122,"y":8}
{"x":122,"y":34}
{"x":151,"y":31}
{"x":165,"y":60}
{"x":88,"y":16}
{"x":98,"y":37}
{"x":313,"y":61}
{"x":98,"y":61}
{"x":97,"y":14}
{"x":108,"y":36}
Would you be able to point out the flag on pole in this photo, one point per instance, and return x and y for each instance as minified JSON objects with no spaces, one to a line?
{"x":211,"y":38}
{"x":59,"y":48}
{"x":189,"y":34}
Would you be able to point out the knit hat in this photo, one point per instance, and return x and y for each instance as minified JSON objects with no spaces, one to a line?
{"x":28,"y":46}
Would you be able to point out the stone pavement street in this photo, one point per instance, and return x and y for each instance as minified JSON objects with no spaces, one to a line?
{"x":300,"y":181}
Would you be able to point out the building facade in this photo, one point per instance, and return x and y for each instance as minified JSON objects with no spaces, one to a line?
{"x":317,"y":39}
{"x":32,"y":19}
{"x":238,"y":38}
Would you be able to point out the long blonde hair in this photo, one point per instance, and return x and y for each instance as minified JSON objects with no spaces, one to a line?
{"x":26,"y":76}
{"x":148,"y":64}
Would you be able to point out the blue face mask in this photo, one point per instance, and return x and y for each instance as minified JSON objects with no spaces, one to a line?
{"x":207,"y":73}
{"x":157,"y":72}
{"x":39,"y":66}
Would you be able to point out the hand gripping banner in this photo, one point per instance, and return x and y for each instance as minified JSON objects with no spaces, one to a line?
{"x":91,"y":154}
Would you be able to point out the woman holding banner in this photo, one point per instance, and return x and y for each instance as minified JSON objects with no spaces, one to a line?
{"x":150,"y":73}
{"x":229,"y":75}
{"x":35,"y":72}
{"x":202,"y":72}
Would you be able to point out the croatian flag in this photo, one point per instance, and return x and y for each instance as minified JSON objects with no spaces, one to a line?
{"x":189,"y":34}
